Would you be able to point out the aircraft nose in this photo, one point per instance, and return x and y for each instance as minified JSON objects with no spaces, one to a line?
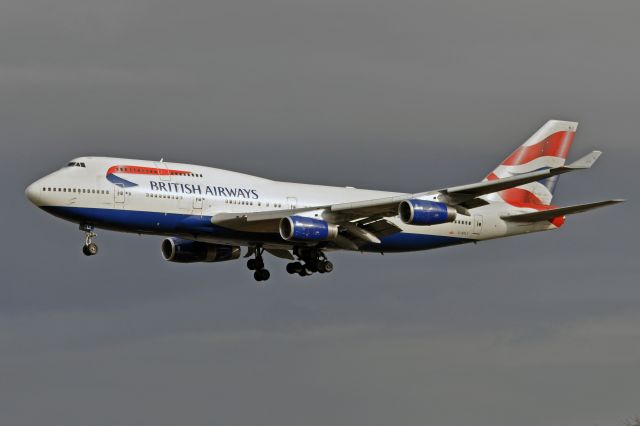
{"x":33,"y":192}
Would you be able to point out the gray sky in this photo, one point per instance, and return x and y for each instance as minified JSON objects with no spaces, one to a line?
{"x":404,"y":95}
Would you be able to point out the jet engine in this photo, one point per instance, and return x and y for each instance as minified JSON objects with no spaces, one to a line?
{"x":424,"y":212}
{"x":300,"y":228}
{"x":187,"y":251}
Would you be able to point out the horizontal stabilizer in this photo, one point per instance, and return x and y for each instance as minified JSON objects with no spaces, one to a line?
{"x":585,"y":162}
{"x":561,"y":211}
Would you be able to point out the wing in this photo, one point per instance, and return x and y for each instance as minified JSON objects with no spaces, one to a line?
{"x":465,"y":196}
{"x":365,"y":220}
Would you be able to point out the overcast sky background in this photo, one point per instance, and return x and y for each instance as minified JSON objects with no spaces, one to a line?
{"x":405,"y":95}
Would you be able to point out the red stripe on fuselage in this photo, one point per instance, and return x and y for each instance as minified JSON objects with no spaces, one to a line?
{"x":556,"y":145}
{"x":138,"y":170}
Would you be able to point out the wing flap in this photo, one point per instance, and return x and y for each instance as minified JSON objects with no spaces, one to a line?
{"x":380,"y":227}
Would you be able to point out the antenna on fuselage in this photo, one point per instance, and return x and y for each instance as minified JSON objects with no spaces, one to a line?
{"x":162,"y":160}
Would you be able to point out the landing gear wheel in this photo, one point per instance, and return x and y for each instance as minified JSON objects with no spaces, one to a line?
{"x":325,"y":266}
{"x":304,"y":272}
{"x":261,"y":275}
{"x":257,"y":264}
{"x":294,"y":267}
{"x":90,"y":249}
{"x":311,"y":260}
{"x":251,"y":264}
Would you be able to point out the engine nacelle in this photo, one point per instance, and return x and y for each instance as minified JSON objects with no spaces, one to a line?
{"x":424,"y":212}
{"x":300,"y":228}
{"x":187,"y":251}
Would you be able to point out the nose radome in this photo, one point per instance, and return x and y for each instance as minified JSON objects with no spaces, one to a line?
{"x":33,"y":193}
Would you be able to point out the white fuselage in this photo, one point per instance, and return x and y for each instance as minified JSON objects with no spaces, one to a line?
{"x":180,"y":199}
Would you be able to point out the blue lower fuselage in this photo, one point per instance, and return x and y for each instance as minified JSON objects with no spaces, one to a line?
{"x":195,"y":226}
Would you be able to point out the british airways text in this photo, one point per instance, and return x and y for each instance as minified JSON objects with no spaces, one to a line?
{"x":220,"y":191}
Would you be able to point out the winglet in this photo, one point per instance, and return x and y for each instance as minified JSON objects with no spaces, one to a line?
{"x":585,"y":162}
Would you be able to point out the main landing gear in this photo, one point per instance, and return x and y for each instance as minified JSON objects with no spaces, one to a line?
{"x":257,"y":264}
{"x":90,"y":248}
{"x":314,"y":261}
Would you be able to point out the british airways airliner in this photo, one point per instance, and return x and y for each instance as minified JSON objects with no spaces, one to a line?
{"x":208,"y":214}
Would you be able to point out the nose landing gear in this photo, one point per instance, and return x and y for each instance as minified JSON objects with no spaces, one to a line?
{"x":90,"y":248}
{"x":257,"y":265}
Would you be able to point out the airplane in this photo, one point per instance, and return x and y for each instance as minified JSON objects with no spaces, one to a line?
{"x":208,"y":214}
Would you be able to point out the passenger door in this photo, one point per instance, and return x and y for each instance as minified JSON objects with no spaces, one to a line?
{"x":477,"y":224}
{"x":119,"y":195}
{"x":292,"y":202}
{"x":198,"y":201}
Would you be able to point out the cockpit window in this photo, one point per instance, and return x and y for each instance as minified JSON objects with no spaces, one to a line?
{"x":75,"y":164}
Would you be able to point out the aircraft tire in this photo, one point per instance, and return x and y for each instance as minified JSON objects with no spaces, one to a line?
{"x":261,"y":275}
{"x":90,"y":249}
{"x":326,"y":266}
{"x":294,"y":267}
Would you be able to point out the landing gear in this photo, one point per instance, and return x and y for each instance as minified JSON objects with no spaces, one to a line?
{"x":294,"y":267}
{"x":257,"y":264}
{"x":314,"y":261}
{"x":325,"y":267}
{"x":90,"y":248}
{"x":261,"y":275}
{"x":310,"y":260}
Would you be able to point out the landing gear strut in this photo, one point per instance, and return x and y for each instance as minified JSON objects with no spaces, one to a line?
{"x":90,"y":248}
{"x":314,"y":261}
{"x":257,"y":264}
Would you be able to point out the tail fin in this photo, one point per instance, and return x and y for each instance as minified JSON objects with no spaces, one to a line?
{"x":547,"y":148}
